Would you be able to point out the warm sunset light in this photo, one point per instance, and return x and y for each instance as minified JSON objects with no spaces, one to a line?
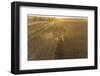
{"x":57,"y":37}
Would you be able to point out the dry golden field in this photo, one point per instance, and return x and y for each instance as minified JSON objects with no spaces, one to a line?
{"x":57,"y":38}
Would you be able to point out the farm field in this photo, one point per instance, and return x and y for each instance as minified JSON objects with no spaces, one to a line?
{"x":57,"y":38}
